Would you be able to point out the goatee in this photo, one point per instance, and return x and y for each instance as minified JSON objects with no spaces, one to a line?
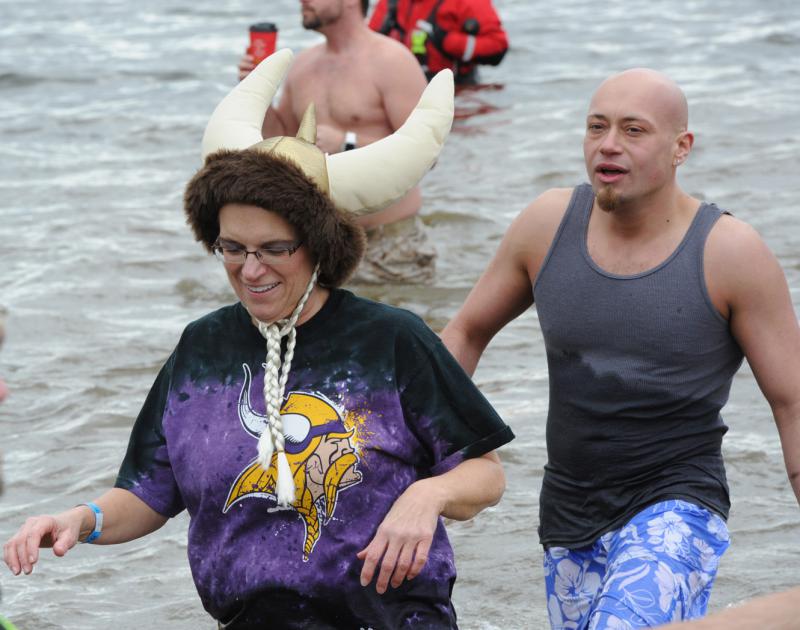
{"x":608,"y":199}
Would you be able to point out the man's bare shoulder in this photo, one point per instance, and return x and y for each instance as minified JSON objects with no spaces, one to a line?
{"x":732,"y":240}
{"x":737,"y":260}
{"x":388,"y":49}
{"x":395,"y":73}
{"x":529,"y":237}
{"x":391,"y":61}
{"x":543,"y":215}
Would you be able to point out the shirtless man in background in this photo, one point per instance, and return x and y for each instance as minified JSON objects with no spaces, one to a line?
{"x":364,"y":86}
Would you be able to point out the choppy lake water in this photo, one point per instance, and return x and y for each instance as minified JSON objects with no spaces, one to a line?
{"x":103,"y":107}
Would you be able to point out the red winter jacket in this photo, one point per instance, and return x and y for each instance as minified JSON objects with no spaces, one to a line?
{"x":455,"y":34}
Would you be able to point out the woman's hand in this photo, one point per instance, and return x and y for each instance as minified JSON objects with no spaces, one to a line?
{"x":404,"y":537}
{"x":125,"y":517}
{"x":60,"y":532}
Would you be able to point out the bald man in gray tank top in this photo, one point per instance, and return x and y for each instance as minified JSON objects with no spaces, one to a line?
{"x":648,"y":301}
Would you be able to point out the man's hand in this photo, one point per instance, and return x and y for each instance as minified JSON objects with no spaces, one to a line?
{"x":404,"y":537}
{"x":329,"y":138}
{"x":246,"y":66}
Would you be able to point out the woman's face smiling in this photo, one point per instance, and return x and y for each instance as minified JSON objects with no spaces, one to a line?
{"x":270,"y":292}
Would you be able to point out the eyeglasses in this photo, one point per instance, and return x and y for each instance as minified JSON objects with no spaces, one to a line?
{"x":273,"y":254}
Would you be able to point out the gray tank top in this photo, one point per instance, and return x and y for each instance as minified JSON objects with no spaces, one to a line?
{"x":639,"y":369}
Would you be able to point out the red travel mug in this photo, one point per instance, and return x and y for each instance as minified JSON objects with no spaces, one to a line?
{"x":263,"y":37}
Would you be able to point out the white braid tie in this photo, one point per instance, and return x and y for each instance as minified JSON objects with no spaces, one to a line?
{"x":275,"y":377}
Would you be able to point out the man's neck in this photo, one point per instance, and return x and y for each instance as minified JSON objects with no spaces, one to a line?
{"x":649,"y":214}
{"x":635,"y":238}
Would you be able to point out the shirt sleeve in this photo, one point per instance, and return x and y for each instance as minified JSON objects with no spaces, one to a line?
{"x":441,"y":404}
{"x":146,"y":470}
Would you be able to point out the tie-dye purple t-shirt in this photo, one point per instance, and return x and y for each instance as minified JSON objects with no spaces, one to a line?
{"x":373,"y":402}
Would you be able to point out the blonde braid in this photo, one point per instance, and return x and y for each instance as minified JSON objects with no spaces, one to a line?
{"x":276,"y":375}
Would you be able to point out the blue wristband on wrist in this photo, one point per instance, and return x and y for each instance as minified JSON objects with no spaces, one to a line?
{"x":98,"y":522}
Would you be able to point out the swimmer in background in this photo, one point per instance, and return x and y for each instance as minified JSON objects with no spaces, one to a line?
{"x":364,"y":86}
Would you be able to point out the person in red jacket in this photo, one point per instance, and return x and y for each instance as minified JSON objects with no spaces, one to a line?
{"x":455,"y":34}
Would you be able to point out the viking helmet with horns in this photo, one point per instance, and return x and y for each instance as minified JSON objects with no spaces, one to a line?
{"x":318,"y":194}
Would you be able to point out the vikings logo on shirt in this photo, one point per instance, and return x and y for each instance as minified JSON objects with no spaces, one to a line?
{"x":321,"y":456}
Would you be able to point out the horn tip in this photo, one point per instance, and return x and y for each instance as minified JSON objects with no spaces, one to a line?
{"x":444,"y":76}
{"x":284,"y":52}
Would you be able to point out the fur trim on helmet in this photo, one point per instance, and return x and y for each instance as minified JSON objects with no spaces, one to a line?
{"x":257,"y":178}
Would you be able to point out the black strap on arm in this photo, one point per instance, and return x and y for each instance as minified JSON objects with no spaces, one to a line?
{"x":390,"y":20}
{"x":436,"y":30}
{"x":434,"y":11}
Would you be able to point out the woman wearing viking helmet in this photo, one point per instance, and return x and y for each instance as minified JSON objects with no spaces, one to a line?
{"x":315,"y":477}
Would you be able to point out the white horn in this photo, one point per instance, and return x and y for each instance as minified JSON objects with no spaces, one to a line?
{"x":237,"y":120}
{"x":370,"y":178}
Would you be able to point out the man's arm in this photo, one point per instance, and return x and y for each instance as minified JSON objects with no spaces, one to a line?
{"x":505,"y":289}
{"x":400,"y":80}
{"x":780,"y":611}
{"x":744,"y":275}
{"x":280,"y":120}
{"x":479,"y":36}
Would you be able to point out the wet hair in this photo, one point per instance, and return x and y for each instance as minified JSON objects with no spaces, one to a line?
{"x":364,"y":7}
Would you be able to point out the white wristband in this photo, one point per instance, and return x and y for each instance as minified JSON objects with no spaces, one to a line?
{"x":349,"y":141}
{"x":469,"y":49}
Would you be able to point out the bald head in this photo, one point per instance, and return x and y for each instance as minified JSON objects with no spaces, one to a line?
{"x":636,"y":137}
{"x":654,"y":93}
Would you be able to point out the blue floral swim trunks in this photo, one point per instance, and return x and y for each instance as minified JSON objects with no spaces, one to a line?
{"x":656,"y":569}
